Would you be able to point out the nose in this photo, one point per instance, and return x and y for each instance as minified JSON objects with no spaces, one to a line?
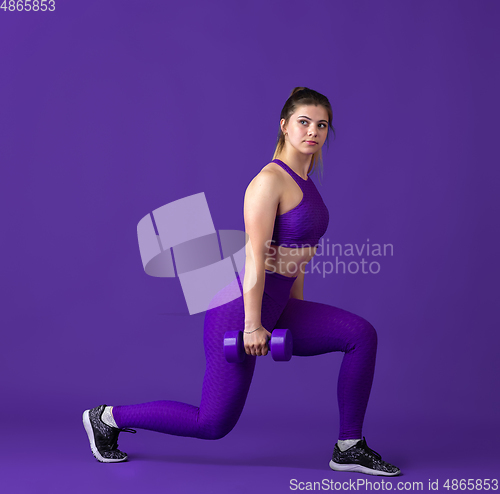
{"x":312,"y":131}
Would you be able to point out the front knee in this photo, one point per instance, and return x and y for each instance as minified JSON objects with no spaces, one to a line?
{"x":364,"y":334}
{"x":370,"y":333}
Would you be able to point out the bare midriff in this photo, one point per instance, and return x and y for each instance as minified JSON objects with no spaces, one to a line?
{"x":288,"y":261}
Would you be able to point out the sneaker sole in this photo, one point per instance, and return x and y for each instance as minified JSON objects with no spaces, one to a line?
{"x":90,"y":433}
{"x":353,"y":467}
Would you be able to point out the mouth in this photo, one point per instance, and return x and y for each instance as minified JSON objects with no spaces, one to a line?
{"x":311,"y":142}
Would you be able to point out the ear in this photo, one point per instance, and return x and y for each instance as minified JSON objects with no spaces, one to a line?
{"x":282,"y":125}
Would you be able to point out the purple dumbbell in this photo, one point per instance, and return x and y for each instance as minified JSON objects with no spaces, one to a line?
{"x":280,"y":344}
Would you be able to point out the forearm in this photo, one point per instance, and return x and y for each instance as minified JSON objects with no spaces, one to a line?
{"x":297,"y":293}
{"x":253,"y":290}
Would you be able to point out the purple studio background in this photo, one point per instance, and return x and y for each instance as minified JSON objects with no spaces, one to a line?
{"x":112,"y":109}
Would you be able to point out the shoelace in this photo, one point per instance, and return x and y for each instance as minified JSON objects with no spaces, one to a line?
{"x":126,"y":429}
{"x":114,"y":444}
{"x":365,"y":446}
{"x":116,"y":431}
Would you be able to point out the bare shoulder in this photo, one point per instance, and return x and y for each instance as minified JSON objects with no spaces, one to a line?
{"x":272,"y":167}
{"x":269,"y":179}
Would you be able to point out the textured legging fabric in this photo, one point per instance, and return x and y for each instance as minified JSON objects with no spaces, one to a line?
{"x":316,"y":329}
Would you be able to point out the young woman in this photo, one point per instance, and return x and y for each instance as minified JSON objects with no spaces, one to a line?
{"x":285,"y":217}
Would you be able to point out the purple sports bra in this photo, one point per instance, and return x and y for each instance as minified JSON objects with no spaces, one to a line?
{"x":307,"y":222}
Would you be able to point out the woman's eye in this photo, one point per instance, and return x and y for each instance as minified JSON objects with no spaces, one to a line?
{"x":323,"y":125}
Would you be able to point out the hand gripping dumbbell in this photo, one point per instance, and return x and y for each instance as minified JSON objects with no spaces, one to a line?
{"x":280,"y":344}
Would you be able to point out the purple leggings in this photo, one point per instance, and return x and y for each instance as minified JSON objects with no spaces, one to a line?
{"x":316,"y":329}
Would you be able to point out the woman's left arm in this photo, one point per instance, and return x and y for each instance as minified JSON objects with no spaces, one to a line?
{"x":297,"y":290}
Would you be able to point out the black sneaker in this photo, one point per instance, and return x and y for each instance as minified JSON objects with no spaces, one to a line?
{"x":103,"y":438}
{"x":360,"y":458}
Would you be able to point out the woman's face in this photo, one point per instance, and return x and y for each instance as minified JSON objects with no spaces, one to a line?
{"x":307,"y":128}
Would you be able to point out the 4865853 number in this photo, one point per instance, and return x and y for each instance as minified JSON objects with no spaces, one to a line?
{"x":471,"y":484}
{"x":28,"y":5}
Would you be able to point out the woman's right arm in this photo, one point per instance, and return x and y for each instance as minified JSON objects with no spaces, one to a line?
{"x":262,"y":198}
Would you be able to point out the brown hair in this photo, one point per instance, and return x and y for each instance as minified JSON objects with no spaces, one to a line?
{"x":298,"y":97}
